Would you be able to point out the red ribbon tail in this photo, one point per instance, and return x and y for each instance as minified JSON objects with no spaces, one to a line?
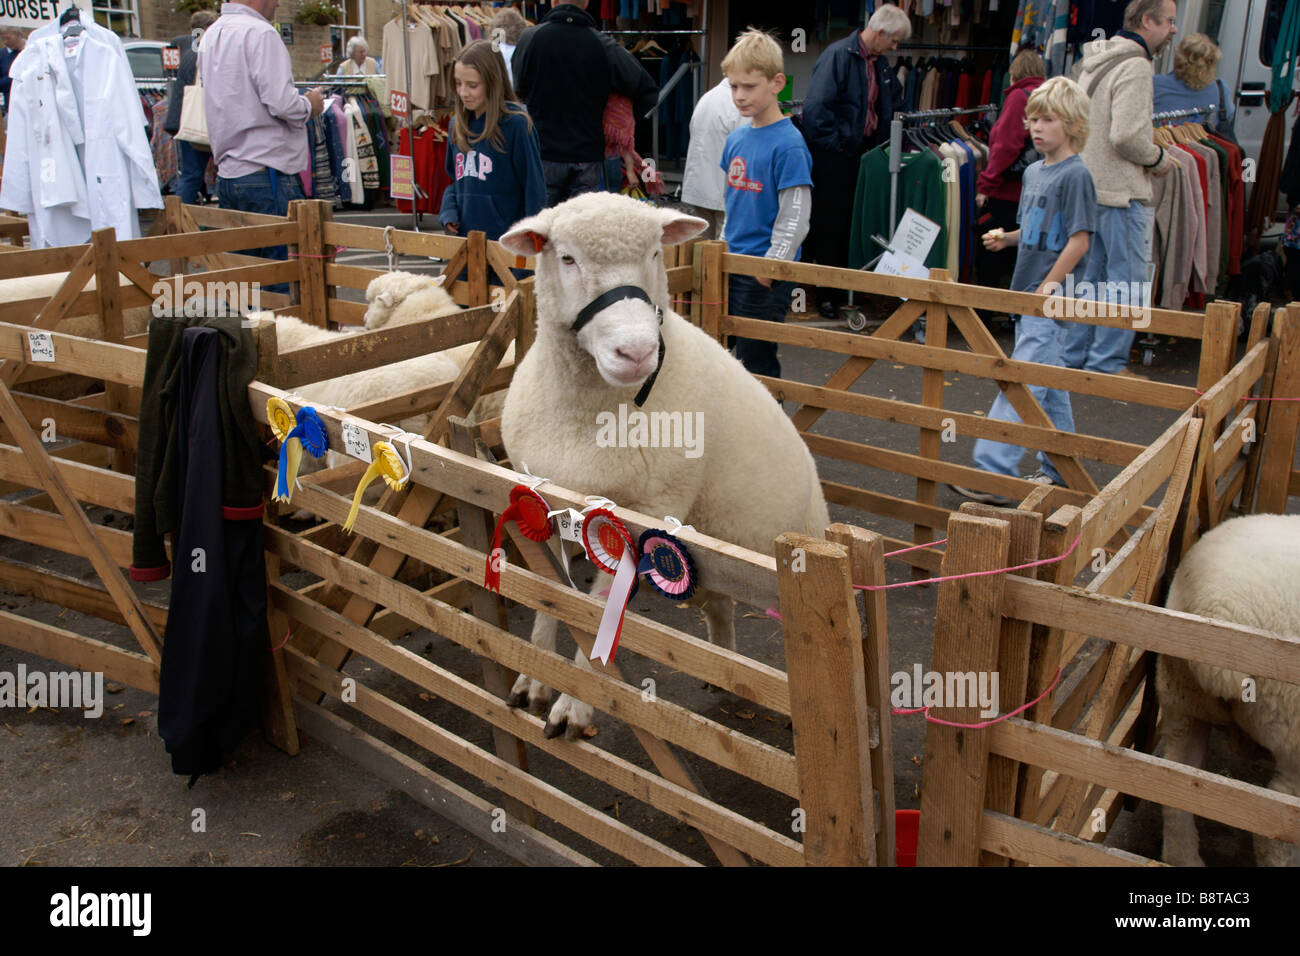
{"x":495,"y":557}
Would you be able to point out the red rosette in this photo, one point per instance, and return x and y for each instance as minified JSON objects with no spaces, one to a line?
{"x":528,"y":510}
{"x":605,"y":538}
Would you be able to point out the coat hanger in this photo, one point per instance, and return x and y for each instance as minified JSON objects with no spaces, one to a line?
{"x":70,"y":22}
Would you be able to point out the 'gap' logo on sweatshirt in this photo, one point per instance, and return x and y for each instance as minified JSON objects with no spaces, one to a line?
{"x":473,"y":164}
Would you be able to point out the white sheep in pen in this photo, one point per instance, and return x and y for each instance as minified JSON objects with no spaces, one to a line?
{"x":752,"y":477}
{"x":1246,"y":571}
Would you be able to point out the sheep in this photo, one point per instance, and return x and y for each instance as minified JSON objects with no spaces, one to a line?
{"x":751,"y":476}
{"x":398,"y":298}
{"x":1246,"y":571}
{"x":135,"y":321}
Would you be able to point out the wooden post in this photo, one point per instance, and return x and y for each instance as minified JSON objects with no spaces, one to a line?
{"x":526,"y":332}
{"x":1218,"y":342}
{"x":311,"y":215}
{"x":278,"y":722}
{"x":476,"y":532}
{"x":828,"y":700}
{"x":477,"y":266}
{"x":968,"y":622}
{"x":867,"y":561}
{"x":713,"y":287}
{"x":109,"y":295}
{"x":1279,"y":440}
{"x":174,"y":211}
{"x":1025,"y":530}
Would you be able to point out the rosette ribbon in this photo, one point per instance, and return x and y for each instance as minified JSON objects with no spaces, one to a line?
{"x":306,"y":432}
{"x":386,"y":463}
{"x":609,"y":545}
{"x":528,"y":510}
{"x":666,"y":564}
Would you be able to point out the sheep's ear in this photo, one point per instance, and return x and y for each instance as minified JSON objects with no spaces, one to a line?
{"x":678,"y":227}
{"x":528,"y":236}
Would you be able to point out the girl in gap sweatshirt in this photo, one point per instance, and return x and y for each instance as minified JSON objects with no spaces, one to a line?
{"x":494,"y":158}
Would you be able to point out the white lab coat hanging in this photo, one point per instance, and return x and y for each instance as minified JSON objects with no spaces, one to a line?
{"x":97,"y":131}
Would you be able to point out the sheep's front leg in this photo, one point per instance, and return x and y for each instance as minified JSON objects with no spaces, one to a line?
{"x":720,"y":617}
{"x":1186,"y":742}
{"x":570,"y":714}
{"x":526,"y":690}
{"x":1269,"y":852}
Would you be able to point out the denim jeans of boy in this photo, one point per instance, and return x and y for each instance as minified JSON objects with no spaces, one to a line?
{"x":747,"y":297}
{"x":193,"y":163}
{"x":1117,"y":270}
{"x":1037,"y":340}
{"x":266,"y":191}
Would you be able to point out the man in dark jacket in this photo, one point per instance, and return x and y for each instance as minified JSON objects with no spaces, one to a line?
{"x":847,"y":111}
{"x":565,"y":72}
{"x":193,"y":160}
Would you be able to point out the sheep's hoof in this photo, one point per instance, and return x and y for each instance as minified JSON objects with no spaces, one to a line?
{"x":517,"y":698}
{"x":576,"y":731}
{"x":553,"y":730}
{"x":538,"y":706}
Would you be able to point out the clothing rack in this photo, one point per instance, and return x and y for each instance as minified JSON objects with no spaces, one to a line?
{"x":949,"y":46}
{"x":655,"y":33}
{"x":330,"y":81}
{"x":1182,"y":114}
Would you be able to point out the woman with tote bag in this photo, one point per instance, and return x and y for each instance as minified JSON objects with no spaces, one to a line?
{"x":185,"y":118}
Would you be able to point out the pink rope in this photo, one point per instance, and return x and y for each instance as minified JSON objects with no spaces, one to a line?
{"x":916,"y":547}
{"x":283,"y":642}
{"x":985,"y":723}
{"x":971,"y":574}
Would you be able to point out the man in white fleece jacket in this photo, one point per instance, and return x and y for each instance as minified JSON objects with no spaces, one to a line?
{"x":1120,"y":153}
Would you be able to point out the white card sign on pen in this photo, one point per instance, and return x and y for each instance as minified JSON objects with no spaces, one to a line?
{"x":897,"y":264}
{"x":356,"y":441}
{"x":41,"y":346}
{"x":569,"y":523}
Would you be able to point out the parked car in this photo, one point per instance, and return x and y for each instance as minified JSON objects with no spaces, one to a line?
{"x":145,"y":57}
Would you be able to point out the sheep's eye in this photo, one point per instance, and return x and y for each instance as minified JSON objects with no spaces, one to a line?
{"x":568,"y":260}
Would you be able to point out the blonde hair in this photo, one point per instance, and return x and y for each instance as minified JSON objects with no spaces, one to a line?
{"x":1027,"y":63}
{"x":1063,"y":99}
{"x":1196,"y":61}
{"x":754,"y":50}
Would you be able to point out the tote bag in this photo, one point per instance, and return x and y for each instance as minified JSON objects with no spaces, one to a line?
{"x":194,"y":117}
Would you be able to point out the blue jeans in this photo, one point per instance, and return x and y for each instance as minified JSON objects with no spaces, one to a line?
{"x":1115,"y":262}
{"x":1037,"y":340}
{"x":193,"y":163}
{"x":748,"y":298}
{"x":266,"y":191}
{"x":566,"y":180}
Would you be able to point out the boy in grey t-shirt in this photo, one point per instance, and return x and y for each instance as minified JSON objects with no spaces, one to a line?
{"x":1058,"y":213}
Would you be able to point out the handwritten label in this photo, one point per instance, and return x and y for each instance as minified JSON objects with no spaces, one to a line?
{"x":356,"y":441}
{"x":397,"y":104}
{"x":569,"y":523}
{"x":897,"y":264}
{"x":41,"y":346}
{"x":401,"y":177}
{"x":171,"y":58}
{"x":326,"y":53}
{"x":915,"y":235}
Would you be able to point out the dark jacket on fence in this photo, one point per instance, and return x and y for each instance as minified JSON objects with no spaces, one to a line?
{"x":216,"y":636}
{"x":158,"y":481}
{"x":565,"y":71}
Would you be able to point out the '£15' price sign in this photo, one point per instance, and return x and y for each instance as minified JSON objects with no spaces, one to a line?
{"x":171,"y":58}
{"x":397,"y":104}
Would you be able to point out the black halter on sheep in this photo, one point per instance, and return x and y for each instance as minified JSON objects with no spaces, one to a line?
{"x":740,"y":473}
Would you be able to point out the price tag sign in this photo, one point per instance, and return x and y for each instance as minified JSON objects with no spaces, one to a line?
{"x":356,"y":441}
{"x":326,"y":52}
{"x":398,"y":104}
{"x":41,"y":346}
{"x":915,"y":235}
{"x":171,"y":58}
{"x":900,"y":264}
{"x":402,"y":177}
{"x":569,"y":523}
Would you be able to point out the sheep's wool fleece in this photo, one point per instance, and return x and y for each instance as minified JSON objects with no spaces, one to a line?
{"x":754,"y":478}
{"x":1246,"y":571}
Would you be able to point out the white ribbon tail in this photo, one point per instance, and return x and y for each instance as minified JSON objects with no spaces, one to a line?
{"x":611,"y":622}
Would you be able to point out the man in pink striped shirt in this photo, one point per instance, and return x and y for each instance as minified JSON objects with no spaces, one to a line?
{"x":257,"y":121}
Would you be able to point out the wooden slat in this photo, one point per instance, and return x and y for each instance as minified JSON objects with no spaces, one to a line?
{"x":214,"y":217}
{"x":282,"y":233}
{"x":1279,"y":441}
{"x":713,"y":287}
{"x":405,"y":242}
{"x":702,"y":736}
{"x":559,"y":806}
{"x":46,"y":584}
{"x":1137,"y":391}
{"x":102,"y":360}
{"x":97,"y":486}
{"x":452,"y":802}
{"x":1185,"y":325}
{"x":420,"y":400}
{"x":35,"y":262}
{"x":1038,"y":846}
{"x":77,"y":651}
{"x":735,"y":829}
{"x":828,"y":701}
{"x":1241,"y":805}
{"x":74,"y":420}
{"x":51,"y":531}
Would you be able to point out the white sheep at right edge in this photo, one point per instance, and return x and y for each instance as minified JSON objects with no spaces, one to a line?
{"x":751,"y":476}
{"x":1246,"y":571}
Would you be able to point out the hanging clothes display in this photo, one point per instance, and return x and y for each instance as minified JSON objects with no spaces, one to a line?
{"x":74,"y":112}
{"x":430,"y":160}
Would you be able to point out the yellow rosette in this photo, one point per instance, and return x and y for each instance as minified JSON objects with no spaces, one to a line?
{"x":386,"y":463}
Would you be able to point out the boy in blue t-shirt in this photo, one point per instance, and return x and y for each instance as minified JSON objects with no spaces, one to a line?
{"x":768,"y":192}
{"x":1057,"y":216}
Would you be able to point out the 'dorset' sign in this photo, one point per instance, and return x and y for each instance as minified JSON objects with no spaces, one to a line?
{"x":31,"y":14}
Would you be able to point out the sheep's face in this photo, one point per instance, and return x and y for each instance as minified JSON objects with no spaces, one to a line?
{"x":588,"y":246}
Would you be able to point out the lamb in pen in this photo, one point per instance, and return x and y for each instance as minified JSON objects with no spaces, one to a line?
{"x":750,"y":476}
{"x":1246,"y":571}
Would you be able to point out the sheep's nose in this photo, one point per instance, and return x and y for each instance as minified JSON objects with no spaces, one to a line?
{"x":635,"y":356}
